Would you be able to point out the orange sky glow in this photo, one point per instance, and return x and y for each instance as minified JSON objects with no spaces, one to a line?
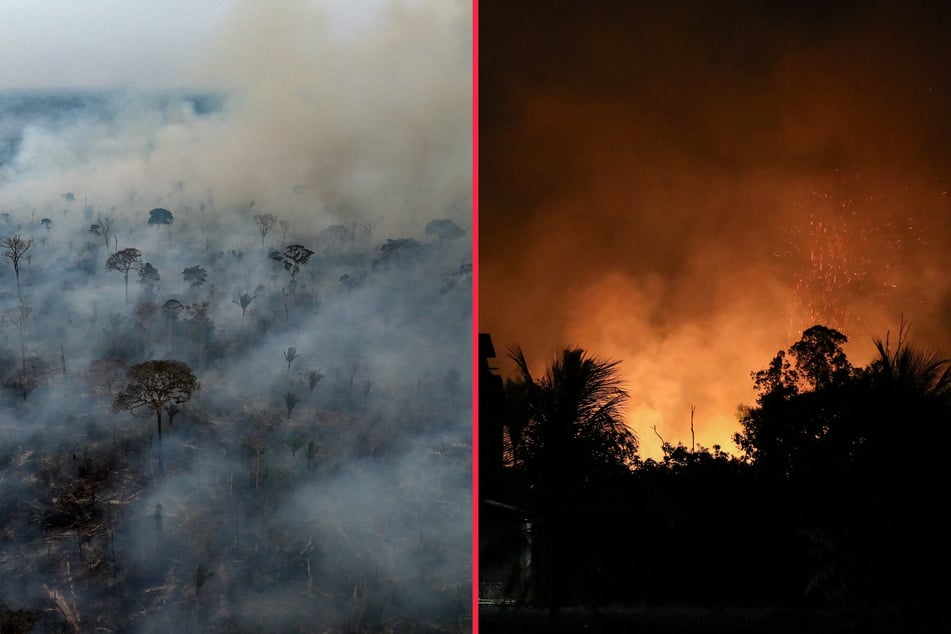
{"x":686,"y":189}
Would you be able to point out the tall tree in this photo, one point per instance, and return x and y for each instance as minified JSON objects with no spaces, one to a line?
{"x":156,"y":384}
{"x":293,"y":257}
{"x":574,"y":410}
{"x":14,"y":248}
{"x":567,"y":438}
{"x":124,"y":261}
{"x":103,"y":227}
{"x":160,"y":216}
{"x":149,"y":278}
{"x":264,"y":223}
{"x":799,"y":421}
{"x":244,"y":300}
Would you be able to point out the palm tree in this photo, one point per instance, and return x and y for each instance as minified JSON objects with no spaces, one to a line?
{"x":917,"y":371}
{"x":567,"y":440}
{"x":575,"y":409}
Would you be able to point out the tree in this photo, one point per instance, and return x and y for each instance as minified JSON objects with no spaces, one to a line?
{"x":124,"y":261}
{"x":567,"y":439}
{"x":446,"y":230}
{"x":14,"y":248}
{"x":103,"y":227}
{"x":842,"y":448}
{"x":290,"y":355}
{"x":313,"y":378}
{"x":195,"y":276}
{"x":149,"y":278}
{"x":160,"y":216}
{"x":156,"y":384}
{"x":925,"y":373}
{"x":293,"y":257}
{"x":264,"y":223}
{"x":47,"y":224}
{"x":290,"y":402}
{"x":244,"y":300}
{"x":799,"y":421}
{"x":574,"y":411}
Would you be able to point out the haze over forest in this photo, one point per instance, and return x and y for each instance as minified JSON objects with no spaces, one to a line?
{"x":320,"y":478}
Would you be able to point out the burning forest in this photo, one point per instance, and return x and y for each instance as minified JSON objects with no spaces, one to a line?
{"x":235,"y":325}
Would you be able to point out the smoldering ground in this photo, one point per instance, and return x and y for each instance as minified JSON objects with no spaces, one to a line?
{"x":320,"y":477}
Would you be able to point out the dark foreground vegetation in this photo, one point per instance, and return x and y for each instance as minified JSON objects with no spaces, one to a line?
{"x":831,"y":519}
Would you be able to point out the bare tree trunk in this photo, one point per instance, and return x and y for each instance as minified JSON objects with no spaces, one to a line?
{"x":158,"y":420}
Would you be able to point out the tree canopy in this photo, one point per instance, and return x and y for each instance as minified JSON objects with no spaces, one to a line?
{"x":160,"y":216}
{"x":292,"y":258}
{"x":572,"y":413}
{"x":157,"y":384}
{"x":124,"y":261}
{"x":444,"y":229}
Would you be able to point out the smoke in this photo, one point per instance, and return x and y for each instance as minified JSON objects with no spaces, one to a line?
{"x":690,"y":188}
{"x":327,"y":489}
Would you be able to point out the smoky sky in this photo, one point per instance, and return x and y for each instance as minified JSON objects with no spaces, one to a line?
{"x":688,"y":186}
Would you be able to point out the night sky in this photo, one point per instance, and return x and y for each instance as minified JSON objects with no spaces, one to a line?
{"x":687,"y":186}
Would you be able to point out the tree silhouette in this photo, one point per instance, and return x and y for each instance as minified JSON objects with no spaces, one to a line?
{"x":160,"y":216}
{"x":195,"y":276}
{"x":444,"y":229}
{"x":14,"y":248}
{"x":575,"y":410}
{"x":103,"y":227}
{"x":124,"y":261}
{"x":290,"y":402}
{"x":149,"y":278}
{"x":841,"y":448}
{"x":925,"y":373}
{"x":567,"y":436}
{"x":799,"y":421}
{"x":293,"y":257}
{"x":156,"y":384}
{"x":290,"y":355}
{"x":244,"y":300}
{"x":264,"y":223}
{"x":313,"y":378}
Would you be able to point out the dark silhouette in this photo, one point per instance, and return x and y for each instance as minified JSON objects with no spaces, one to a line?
{"x":149,"y":278}
{"x":292,"y":258}
{"x":567,"y":439}
{"x":103,"y":227}
{"x":195,"y":276}
{"x":444,"y":229}
{"x":160,"y":216}
{"x":244,"y":300}
{"x":832,"y":517}
{"x":264,"y":223}
{"x":157,"y":384}
{"x":14,"y":248}
{"x":124,"y":261}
